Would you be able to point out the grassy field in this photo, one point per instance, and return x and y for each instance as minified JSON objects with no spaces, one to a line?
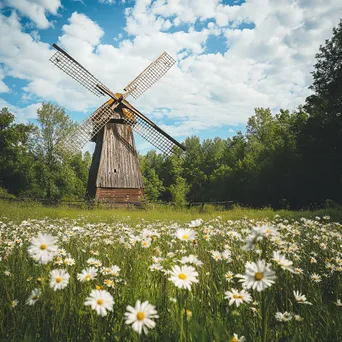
{"x":243,"y":275}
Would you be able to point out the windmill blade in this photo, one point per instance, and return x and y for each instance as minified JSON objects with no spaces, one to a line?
{"x":149,"y":130}
{"x":84,"y":132}
{"x":150,"y":75}
{"x":74,"y":69}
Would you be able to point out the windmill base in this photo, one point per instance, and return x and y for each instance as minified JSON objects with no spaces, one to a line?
{"x":120,"y":196}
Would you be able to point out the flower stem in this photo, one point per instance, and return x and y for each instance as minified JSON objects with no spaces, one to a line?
{"x":264,"y":317}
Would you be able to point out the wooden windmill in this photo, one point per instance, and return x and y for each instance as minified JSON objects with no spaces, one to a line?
{"x":115,"y":173}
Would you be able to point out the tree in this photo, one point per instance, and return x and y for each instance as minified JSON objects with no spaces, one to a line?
{"x":320,"y":140}
{"x":54,"y":174}
{"x":16,"y":172}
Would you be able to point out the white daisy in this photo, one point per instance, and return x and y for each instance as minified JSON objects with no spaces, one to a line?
{"x":283,"y":317}
{"x":59,"y":279}
{"x":237,"y":297}
{"x":43,"y":248}
{"x":183,"y":276}
{"x":316,"y":277}
{"x":258,"y":275}
{"x":101,"y":301}
{"x":186,"y":234}
{"x":300,"y":298}
{"x":141,"y":316}
{"x":282,"y":261}
{"x":236,"y":338}
{"x":87,"y":274}
{"x":34,"y":296}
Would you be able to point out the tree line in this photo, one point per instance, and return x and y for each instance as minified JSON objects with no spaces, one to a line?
{"x":285,"y":160}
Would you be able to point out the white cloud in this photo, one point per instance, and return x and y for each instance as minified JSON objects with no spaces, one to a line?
{"x":36,"y":10}
{"x":107,"y":2}
{"x":22,"y":115}
{"x":3,"y":87}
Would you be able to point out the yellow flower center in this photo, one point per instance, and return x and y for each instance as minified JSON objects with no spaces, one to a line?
{"x":233,"y":339}
{"x":88,"y":276}
{"x":140,"y":315}
{"x":182,"y":276}
{"x":59,"y":279}
{"x":99,"y":301}
{"x":259,"y":276}
{"x":185,"y":237}
{"x":43,"y":246}
{"x":235,"y":296}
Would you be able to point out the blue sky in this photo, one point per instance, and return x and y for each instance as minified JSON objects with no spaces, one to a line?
{"x":232,"y":56}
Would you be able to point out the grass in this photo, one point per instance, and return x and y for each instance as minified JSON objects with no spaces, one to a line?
{"x":115,"y":237}
{"x":24,"y":210}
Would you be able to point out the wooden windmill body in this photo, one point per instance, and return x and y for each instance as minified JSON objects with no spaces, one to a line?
{"x":115,"y":174}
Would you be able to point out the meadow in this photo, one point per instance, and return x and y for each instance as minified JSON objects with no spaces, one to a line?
{"x":169,"y":275}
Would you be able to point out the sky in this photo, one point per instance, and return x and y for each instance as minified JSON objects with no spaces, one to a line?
{"x":232,"y":56}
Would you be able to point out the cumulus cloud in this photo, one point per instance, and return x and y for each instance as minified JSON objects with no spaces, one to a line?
{"x":3,"y":87}
{"x":36,"y":10}
{"x":107,"y":2}
{"x":24,"y":114}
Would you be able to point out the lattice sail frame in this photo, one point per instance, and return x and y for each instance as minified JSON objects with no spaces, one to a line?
{"x":150,"y":75}
{"x":149,"y":133}
{"x":74,"y":69}
{"x":85,"y":131}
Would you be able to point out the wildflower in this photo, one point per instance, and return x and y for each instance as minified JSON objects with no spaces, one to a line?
{"x":59,"y":279}
{"x":195,"y":223}
{"x":338,"y":302}
{"x":229,"y":276}
{"x":14,"y":303}
{"x":282,"y":261}
{"x":141,"y":316}
{"x":156,"y":267}
{"x":316,"y":277}
{"x":34,"y":296}
{"x":109,"y":283}
{"x":183,"y":276}
{"x":101,"y":301}
{"x":283,"y":317}
{"x":216,"y":255}
{"x":237,"y":297}
{"x":258,"y":275}
{"x":236,"y":338}
{"x":186,"y":234}
{"x":298,"y":318}
{"x":43,"y":248}
{"x":146,"y":243}
{"x":87,"y":274}
{"x":300,"y":298}
{"x":191,"y":259}
{"x":298,"y":270}
{"x":69,"y":261}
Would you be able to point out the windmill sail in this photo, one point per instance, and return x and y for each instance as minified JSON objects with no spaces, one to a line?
{"x":150,"y":75}
{"x":131,"y":116}
{"x":149,"y":130}
{"x":74,"y":69}
{"x":85,"y":131}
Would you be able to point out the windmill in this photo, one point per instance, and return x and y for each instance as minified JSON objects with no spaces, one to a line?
{"x":115,"y":173}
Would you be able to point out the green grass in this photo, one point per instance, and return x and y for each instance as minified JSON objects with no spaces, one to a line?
{"x":24,"y":210}
{"x":107,"y":235}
